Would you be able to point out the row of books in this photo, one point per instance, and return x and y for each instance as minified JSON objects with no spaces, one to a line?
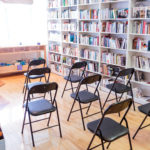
{"x":114,"y":42}
{"x":53,"y":4}
{"x":141,"y":12}
{"x":92,"y":66}
{"x":141,"y":62}
{"x":88,"y":1}
{"x":89,"y":26}
{"x":112,"y":13}
{"x":141,"y":27}
{"x":89,"y":14}
{"x":89,"y":54}
{"x":68,"y":50}
{"x":138,"y":76}
{"x":69,"y":60}
{"x":55,"y":57}
{"x":67,"y":13}
{"x":141,"y":44}
{"x":54,"y":14}
{"x":106,"y":69}
{"x":89,"y":40}
{"x":70,"y":37}
{"x":115,"y":27}
{"x":56,"y":68}
{"x":69,"y":2}
{"x":113,"y":58}
{"x":54,"y":48}
{"x":72,"y":26}
{"x":54,"y":26}
{"x":54,"y":36}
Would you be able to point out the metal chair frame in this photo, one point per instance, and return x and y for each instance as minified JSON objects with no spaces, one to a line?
{"x":39,"y":89}
{"x":114,"y":108}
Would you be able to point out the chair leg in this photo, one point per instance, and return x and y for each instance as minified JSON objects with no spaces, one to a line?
{"x":64,"y":88}
{"x":49,"y":119}
{"x":140,"y":126}
{"x":58,"y":121}
{"x":108,"y":145}
{"x":24,"y":99}
{"x":117,"y":101}
{"x":103,"y":148}
{"x":106,"y":99}
{"x":100,"y":104}
{"x":91,"y":142}
{"x":130,"y":141}
{"x":31,"y":129}
{"x":82,"y":116}
{"x":24,"y":85}
{"x":71,"y":110}
{"x":72,"y":87}
{"x":88,"y":108}
{"x":24,"y":121}
{"x":133,"y":99}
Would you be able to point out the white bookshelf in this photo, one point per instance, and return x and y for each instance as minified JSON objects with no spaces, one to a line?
{"x":76,"y":18}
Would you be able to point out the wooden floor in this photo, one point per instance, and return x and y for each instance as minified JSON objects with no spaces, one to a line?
{"x":74,"y":138}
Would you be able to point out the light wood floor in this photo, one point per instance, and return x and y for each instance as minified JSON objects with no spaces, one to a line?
{"x":74,"y":138}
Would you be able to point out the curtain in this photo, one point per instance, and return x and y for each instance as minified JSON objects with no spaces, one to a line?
{"x":22,"y":24}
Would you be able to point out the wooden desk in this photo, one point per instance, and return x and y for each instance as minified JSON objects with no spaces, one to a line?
{"x":11,"y":54}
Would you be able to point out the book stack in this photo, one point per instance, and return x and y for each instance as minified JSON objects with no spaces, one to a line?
{"x":92,"y":66}
{"x":55,"y":57}
{"x":141,"y":12}
{"x":138,"y":76}
{"x":141,"y":27}
{"x":114,"y":42}
{"x":54,"y":36}
{"x":54,"y":14}
{"x":70,"y":38}
{"x":56,"y":68}
{"x":88,"y":1}
{"x":113,"y":58}
{"x":107,"y":13}
{"x":141,"y":44}
{"x":89,"y":26}
{"x":71,"y":14}
{"x":53,"y":4}
{"x":53,"y":26}
{"x":89,"y":40}
{"x":89,"y":14}
{"x":69,"y":2}
{"x":141,"y":62}
{"x":72,"y":26}
{"x":89,"y":54}
{"x":106,"y":69}
{"x":68,"y":50}
{"x":54,"y":48}
{"x":69,"y":60}
{"x":115,"y":27}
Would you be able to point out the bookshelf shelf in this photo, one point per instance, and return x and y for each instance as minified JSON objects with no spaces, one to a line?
{"x":55,"y":52}
{"x":88,"y":23}
{"x":140,"y":82}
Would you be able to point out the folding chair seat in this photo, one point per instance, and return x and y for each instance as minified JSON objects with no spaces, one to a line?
{"x":109,"y":130}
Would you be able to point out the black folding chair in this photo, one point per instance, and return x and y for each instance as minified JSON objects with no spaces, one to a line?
{"x":39,"y":71}
{"x":109,"y":130}
{"x":86,"y":97}
{"x":145,"y":109}
{"x":120,"y":88}
{"x":34,"y":63}
{"x":42,"y":106}
{"x":75,"y":78}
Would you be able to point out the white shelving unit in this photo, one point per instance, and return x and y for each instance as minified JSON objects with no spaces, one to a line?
{"x":69,"y":21}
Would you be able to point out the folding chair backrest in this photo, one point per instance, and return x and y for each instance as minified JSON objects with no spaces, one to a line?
{"x":79,"y":65}
{"x":37,"y":62}
{"x":118,"y":107}
{"x":126,"y":72}
{"x":43,"y":88}
{"x":91,"y":79}
{"x":39,"y":71}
